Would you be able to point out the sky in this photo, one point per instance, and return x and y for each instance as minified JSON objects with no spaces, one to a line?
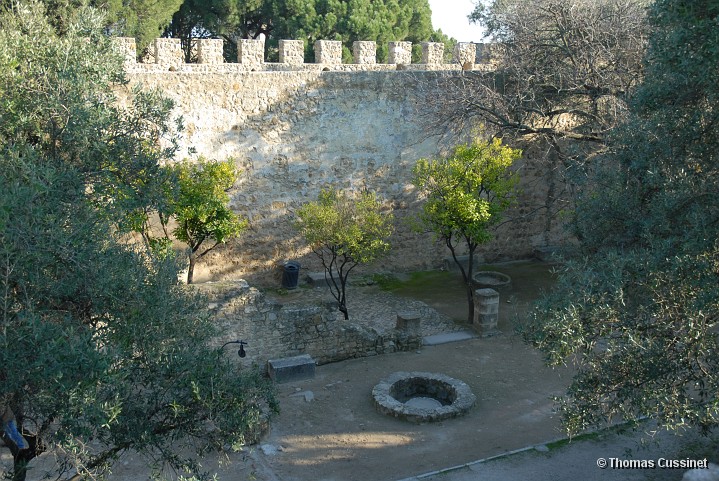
{"x":451,"y":17}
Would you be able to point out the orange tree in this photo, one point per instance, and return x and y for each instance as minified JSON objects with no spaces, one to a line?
{"x":464,"y":197}
{"x":343,"y":232}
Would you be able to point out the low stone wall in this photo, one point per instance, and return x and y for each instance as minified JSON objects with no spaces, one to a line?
{"x":273,"y":330}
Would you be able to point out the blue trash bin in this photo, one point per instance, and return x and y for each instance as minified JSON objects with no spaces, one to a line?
{"x":291,"y":275}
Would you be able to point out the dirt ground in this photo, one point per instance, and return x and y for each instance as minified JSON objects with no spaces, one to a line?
{"x":339,"y":436}
{"x":328,"y":428}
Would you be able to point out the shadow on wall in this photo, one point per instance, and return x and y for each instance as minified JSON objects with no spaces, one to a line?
{"x":294,"y":132}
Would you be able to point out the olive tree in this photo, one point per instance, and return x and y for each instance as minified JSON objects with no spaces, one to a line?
{"x":637,"y":311}
{"x":465,"y":194}
{"x":344,"y":231}
{"x":103,"y":351}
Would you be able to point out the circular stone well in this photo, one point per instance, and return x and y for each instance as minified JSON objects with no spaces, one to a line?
{"x":422,"y":397}
{"x":491,"y":280}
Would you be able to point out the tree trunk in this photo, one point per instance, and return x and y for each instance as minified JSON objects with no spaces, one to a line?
{"x":470,"y":303}
{"x":21,"y":459}
{"x":343,"y":310}
{"x":470,"y":286}
{"x":191,"y":268}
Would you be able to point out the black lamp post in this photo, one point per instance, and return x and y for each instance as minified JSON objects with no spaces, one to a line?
{"x":241,"y":352}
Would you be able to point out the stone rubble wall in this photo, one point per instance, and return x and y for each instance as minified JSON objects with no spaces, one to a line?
{"x":166,"y":55}
{"x":275,"y":331}
{"x":293,"y":129}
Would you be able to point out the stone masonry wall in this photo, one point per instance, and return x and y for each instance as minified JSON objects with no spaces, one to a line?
{"x":276,"y":331}
{"x":295,"y":128}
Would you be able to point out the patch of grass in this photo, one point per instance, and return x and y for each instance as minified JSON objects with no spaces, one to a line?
{"x":412,"y":282}
{"x":595,"y":435}
{"x":387,"y":282}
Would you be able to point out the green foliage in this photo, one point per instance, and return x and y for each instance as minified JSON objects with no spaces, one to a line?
{"x":638,"y":312}
{"x":308,"y":20}
{"x":101,"y":350}
{"x":199,"y":205}
{"x":343,"y":232}
{"x":144,"y":20}
{"x":68,"y":110}
{"x":465,"y":195}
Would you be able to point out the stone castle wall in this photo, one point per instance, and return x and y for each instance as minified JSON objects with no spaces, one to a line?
{"x":293,"y":128}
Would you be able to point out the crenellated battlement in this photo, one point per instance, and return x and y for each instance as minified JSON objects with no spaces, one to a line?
{"x":168,"y":56}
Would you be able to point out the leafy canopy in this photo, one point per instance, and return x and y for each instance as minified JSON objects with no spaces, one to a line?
{"x":638,"y":310}
{"x":343,"y":232}
{"x":102,"y":350}
{"x":200,"y":207}
{"x":308,"y":20}
{"x":144,"y":20}
{"x":465,"y":194}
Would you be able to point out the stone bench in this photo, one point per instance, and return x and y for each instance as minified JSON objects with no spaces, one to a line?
{"x":451,"y":266}
{"x":291,"y":368}
{"x":317,"y":279}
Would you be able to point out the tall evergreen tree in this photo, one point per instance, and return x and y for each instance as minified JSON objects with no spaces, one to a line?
{"x":308,"y":20}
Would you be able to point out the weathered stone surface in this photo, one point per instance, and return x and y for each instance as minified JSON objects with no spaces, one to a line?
{"x":274,"y":331}
{"x":392,"y":396}
{"x":168,"y":52}
{"x":400,"y":53}
{"x":251,"y":52}
{"x":317,"y":279}
{"x":486,"y":312}
{"x":293,"y":132}
{"x":465,"y":53}
{"x":127,"y":47}
{"x":364,"y":52}
{"x":292,"y":52}
{"x":483,"y":53}
{"x":432,"y":53}
{"x":328,"y":52}
{"x":209,"y":51}
{"x":449,"y":263}
{"x":492,"y":279}
{"x":293,"y":368}
{"x":409,"y":321}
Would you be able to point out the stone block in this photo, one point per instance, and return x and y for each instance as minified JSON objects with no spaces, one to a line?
{"x":364,"y":52}
{"x":168,"y":51}
{"x":291,"y":368}
{"x":432,"y":53}
{"x":400,"y":53}
{"x":409,"y":321}
{"x":317,"y":279}
{"x":486,"y":312}
{"x":251,"y":51}
{"x":328,"y":52}
{"x":210,"y":51}
{"x":483,"y":53}
{"x":127,"y":48}
{"x":451,"y":266}
{"x":292,"y":52}
{"x":465,"y":53}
